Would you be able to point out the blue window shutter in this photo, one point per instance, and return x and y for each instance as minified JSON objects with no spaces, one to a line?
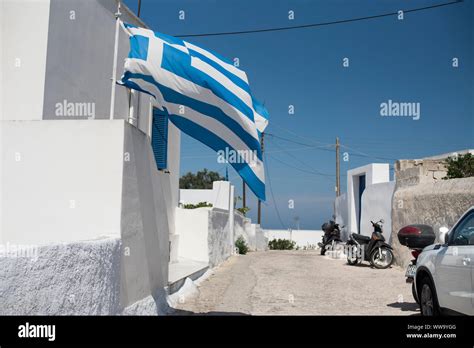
{"x":159,"y":138}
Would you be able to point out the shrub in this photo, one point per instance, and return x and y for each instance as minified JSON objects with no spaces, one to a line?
{"x":199,"y":205}
{"x":243,"y":210}
{"x":281,"y":244}
{"x":461,"y":166}
{"x":241,"y":245}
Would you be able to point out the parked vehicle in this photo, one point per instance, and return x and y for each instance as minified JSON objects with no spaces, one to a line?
{"x":444,"y":272}
{"x":331,"y":236}
{"x":372,"y":249}
{"x":416,"y":237}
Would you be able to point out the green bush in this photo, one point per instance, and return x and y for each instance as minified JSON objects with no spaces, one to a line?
{"x":461,"y":166}
{"x":199,"y":205}
{"x":281,"y":244}
{"x":241,"y":245}
{"x":243,"y":210}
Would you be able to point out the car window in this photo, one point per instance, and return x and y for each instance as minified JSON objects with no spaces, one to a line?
{"x":463,"y":234}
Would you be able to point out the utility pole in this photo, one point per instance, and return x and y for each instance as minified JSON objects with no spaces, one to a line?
{"x":259,"y":220}
{"x":139,"y":8}
{"x":338,"y":170}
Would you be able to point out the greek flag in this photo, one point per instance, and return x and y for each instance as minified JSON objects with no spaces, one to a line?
{"x":205,"y":96}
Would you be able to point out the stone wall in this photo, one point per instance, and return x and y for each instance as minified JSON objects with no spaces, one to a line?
{"x":437,"y":203}
{"x":414,"y":172}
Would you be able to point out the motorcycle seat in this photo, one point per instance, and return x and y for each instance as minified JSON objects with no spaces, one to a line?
{"x":360,"y":237}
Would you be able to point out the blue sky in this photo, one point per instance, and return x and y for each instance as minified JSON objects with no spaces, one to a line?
{"x":404,"y":61}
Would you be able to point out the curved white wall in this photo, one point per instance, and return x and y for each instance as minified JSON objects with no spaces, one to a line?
{"x":376,"y":205}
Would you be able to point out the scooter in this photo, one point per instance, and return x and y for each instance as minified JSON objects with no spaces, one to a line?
{"x":415,"y":237}
{"x":372,"y":249}
{"x":331,"y":236}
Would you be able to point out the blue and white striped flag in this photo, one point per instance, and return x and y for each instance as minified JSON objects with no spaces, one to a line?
{"x":205,"y":96}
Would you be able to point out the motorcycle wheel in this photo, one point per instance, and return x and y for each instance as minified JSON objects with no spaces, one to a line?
{"x":353,"y":260}
{"x":381,"y":261}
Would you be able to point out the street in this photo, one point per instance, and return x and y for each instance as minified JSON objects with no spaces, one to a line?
{"x":300,"y":283}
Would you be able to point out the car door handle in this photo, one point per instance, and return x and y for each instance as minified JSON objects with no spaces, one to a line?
{"x":466,"y":261}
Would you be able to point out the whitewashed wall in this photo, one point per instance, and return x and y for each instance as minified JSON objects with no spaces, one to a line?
{"x":23,"y":40}
{"x":205,"y":234}
{"x":192,"y":227}
{"x":303,"y":238}
{"x":220,"y":196}
{"x":144,"y":220}
{"x":57,"y":184}
{"x":374,"y":173}
{"x":342,"y":215}
{"x":376,"y":205}
{"x":81,"y":193}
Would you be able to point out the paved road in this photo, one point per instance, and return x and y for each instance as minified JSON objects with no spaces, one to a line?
{"x":300,"y":283}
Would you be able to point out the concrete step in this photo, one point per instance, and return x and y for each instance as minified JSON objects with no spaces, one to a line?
{"x":184,"y":268}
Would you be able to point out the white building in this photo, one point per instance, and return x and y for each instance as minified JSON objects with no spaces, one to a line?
{"x":68,"y":173}
{"x":368,"y":198}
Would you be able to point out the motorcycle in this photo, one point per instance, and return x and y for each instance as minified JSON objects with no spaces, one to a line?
{"x":415,"y":237}
{"x":372,"y":249}
{"x":331,"y":236}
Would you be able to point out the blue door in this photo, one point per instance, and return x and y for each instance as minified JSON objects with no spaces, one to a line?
{"x":159,"y":138}
{"x":361,"y":191}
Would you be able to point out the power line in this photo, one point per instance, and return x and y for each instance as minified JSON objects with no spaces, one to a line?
{"x":300,"y":169}
{"x":326,"y":148}
{"x":321,"y":147}
{"x":305,"y":26}
{"x":273,"y":123}
{"x":271,"y":191}
{"x":305,"y":164}
{"x":362,"y":154}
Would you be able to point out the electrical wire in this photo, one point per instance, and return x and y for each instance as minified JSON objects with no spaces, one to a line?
{"x":314,"y":25}
{"x":267,"y":174}
{"x":305,"y":164}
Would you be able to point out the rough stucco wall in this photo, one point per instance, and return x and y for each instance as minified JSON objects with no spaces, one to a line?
{"x":437,"y":204}
{"x":239,"y":226}
{"x":261,"y":239}
{"x":250,"y":234}
{"x":67,"y":279}
{"x":219,"y":238}
{"x":82,"y":278}
{"x":376,"y":205}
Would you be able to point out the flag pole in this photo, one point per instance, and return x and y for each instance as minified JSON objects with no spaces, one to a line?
{"x":259,"y":213}
{"x":114,"y":69}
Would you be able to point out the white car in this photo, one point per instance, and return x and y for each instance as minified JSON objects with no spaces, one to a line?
{"x":444,"y":279}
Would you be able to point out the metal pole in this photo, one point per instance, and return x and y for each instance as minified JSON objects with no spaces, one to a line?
{"x":259,"y":201}
{"x":114,"y":69}
{"x":139,"y":8}
{"x":338,"y":170}
{"x":244,"y":203}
